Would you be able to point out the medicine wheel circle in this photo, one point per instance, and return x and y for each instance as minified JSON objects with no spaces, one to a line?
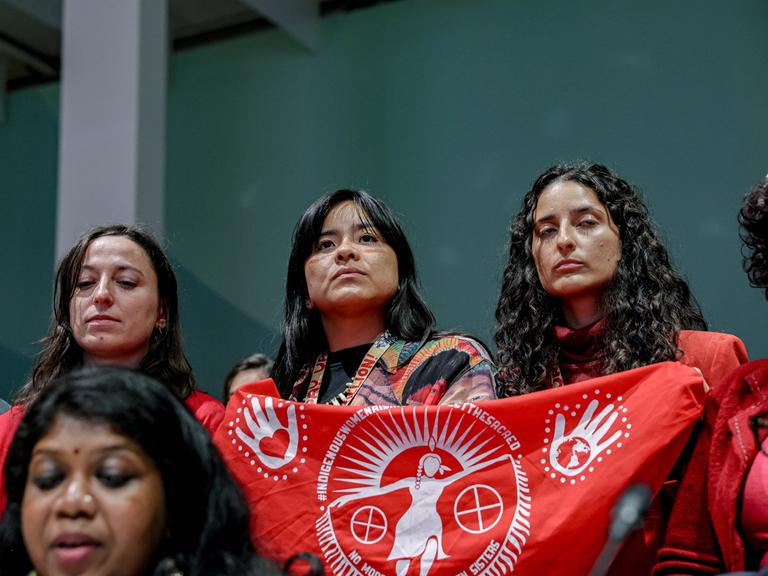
{"x":478,"y":508}
{"x":368,"y":524}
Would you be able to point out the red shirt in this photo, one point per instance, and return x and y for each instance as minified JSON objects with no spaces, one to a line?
{"x":716,"y":355}
{"x":208,"y":411}
{"x":704,"y":535}
{"x":754,"y":508}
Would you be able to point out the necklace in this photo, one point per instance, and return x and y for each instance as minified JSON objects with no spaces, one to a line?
{"x":375,"y":352}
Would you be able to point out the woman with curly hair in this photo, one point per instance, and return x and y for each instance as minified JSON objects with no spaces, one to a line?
{"x":754,"y":232}
{"x":589,"y":290}
{"x":719,"y":520}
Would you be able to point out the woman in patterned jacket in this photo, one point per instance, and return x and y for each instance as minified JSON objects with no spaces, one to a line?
{"x":355,"y":329}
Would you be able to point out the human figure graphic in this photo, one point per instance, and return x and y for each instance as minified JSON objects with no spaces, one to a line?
{"x":419,"y":532}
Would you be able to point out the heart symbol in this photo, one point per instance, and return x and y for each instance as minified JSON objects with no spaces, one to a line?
{"x":275,"y":445}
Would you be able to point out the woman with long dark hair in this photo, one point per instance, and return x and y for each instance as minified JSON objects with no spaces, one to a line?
{"x":355,"y":329}
{"x":108,"y":473}
{"x":115,"y":303}
{"x":589,"y":290}
{"x":89,"y":276}
{"x":719,"y":520}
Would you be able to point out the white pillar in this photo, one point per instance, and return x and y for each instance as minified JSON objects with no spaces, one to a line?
{"x":112,"y":138}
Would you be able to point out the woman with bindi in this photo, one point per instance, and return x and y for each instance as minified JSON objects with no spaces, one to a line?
{"x":356,"y":330}
{"x":115,"y":303}
{"x":589,"y":290}
{"x":109,"y":474}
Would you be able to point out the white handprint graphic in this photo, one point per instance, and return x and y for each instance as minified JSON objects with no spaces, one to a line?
{"x":265,"y":424}
{"x":571,"y":453}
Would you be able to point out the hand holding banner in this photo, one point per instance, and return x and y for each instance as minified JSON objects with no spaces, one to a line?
{"x":523,"y":484}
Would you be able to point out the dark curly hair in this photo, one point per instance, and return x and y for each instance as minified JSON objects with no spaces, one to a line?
{"x":407,"y":315}
{"x":207,"y":521}
{"x":753,"y":219}
{"x":165,"y":360}
{"x":646,"y":304}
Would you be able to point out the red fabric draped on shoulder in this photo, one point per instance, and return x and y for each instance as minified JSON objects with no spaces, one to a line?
{"x":208,"y":411}
{"x":714,"y":353}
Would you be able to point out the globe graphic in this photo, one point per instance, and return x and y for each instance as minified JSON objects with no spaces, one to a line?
{"x":572,"y":453}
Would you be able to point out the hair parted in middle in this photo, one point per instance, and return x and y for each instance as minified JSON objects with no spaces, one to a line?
{"x":645,"y":305}
{"x":207,"y":520}
{"x":407,"y":316}
{"x":165,"y":360}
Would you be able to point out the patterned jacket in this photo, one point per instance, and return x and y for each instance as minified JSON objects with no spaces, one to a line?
{"x":448,"y":369}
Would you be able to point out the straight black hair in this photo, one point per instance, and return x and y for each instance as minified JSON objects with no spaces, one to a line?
{"x":407,"y":316}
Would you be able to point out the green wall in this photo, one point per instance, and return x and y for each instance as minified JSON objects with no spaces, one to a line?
{"x":28,"y":160}
{"x":447,"y":110}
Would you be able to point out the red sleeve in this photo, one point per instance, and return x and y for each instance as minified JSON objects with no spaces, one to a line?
{"x":208,"y":411}
{"x":9,"y":422}
{"x":690,"y":545}
{"x":689,"y":541}
{"x":714,"y":353}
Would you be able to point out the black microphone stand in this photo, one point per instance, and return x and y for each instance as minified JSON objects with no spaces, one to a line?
{"x":627,"y":515}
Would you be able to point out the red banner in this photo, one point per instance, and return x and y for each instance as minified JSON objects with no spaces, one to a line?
{"x":523,"y":484}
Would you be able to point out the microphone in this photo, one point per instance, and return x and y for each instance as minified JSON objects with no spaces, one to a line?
{"x":626,"y":516}
{"x":629,"y":511}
